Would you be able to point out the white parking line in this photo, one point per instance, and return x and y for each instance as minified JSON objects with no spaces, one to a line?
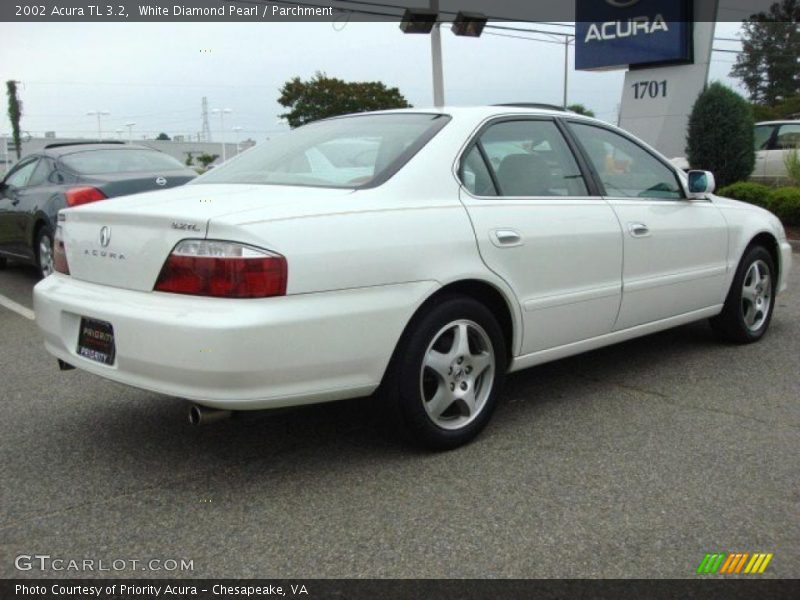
{"x":17,"y":308}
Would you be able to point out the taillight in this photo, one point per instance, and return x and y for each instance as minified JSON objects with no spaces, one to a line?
{"x":222,"y":270}
{"x":83,"y":195}
{"x":60,"y":263}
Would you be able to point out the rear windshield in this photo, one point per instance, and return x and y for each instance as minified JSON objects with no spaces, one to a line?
{"x":122,"y":160}
{"x":347,"y":152}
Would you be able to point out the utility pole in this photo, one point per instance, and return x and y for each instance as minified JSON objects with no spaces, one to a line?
{"x":568,"y":39}
{"x":222,"y":112}
{"x":99,"y":114}
{"x":205,"y":135}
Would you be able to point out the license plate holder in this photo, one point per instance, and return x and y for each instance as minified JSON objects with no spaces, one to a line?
{"x":96,"y":341}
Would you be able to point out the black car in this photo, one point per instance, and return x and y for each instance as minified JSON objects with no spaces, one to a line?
{"x":65,"y":175}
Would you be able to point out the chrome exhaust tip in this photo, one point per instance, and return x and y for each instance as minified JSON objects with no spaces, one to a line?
{"x":200,"y":415}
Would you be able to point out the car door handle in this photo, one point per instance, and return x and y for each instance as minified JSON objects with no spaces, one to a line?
{"x":638,"y":229}
{"x":506,"y":237}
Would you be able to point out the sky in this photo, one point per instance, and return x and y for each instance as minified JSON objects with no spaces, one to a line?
{"x":155,"y":74}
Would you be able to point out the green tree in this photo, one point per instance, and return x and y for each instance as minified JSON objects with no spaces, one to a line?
{"x":14,"y":113}
{"x":581,"y":110}
{"x":322,"y":96}
{"x":189,"y":159}
{"x":768,"y":64}
{"x":162,"y":136}
{"x":723,"y":146}
{"x":206,"y":159}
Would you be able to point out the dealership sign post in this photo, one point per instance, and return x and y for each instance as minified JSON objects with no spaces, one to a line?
{"x":666,"y":46}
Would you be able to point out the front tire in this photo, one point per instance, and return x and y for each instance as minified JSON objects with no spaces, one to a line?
{"x":748,"y":308}
{"x":44,"y":252}
{"x":446,"y":374}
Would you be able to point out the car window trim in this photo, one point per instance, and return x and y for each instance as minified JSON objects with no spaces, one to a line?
{"x":670,"y":167}
{"x":475,"y":140}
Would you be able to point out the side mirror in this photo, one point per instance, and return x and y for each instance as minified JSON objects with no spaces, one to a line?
{"x":701,"y":183}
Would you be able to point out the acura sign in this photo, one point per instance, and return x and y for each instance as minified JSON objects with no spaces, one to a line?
{"x":620,"y":33}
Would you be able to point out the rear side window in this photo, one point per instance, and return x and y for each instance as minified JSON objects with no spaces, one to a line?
{"x":123,"y":160}
{"x":526,"y":158}
{"x":626,"y":169}
{"x":41,"y":173}
{"x":475,"y":174}
{"x":763,"y":133}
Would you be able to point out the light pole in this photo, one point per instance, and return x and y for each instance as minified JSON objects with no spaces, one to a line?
{"x":119,"y":133}
{"x":426,"y":20}
{"x":130,"y":131}
{"x":99,"y":114}
{"x":436,"y":60}
{"x":222,"y":112}
{"x":567,"y":41}
{"x":236,"y":130}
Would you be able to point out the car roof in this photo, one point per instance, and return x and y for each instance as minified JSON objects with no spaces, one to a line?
{"x":58,"y":150}
{"x":481,"y":111}
{"x":783,"y":122}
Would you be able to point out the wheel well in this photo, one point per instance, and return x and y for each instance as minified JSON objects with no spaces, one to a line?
{"x":486,"y":294}
{"x":768,"y":241}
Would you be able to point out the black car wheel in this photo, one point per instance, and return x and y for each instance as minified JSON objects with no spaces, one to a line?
{"x":446,"y":374}
{"x":748,"y":307}
{"x":44,"y":252}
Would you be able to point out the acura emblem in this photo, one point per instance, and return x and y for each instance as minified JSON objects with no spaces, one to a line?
{"x":105,"y":236}
{"x":161,"y":181}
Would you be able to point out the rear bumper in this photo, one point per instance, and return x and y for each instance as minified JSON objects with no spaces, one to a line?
{"x":234,"y":354}
{"x":785,"y":266}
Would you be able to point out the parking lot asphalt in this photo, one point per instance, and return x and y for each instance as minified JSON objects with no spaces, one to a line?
{"x":630,"y":461}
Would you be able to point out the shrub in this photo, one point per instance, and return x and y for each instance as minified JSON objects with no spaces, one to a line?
{"x":720,"y":136}
{"x":747,"y":191}
{"x":785,"y":203}
{"x":792,"y":162}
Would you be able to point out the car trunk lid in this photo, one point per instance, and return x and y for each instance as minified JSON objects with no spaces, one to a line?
{"x":123,"y":184}
{"x":123,"y":242}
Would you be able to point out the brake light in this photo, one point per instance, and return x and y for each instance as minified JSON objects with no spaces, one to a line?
{"x":60,"y":263}
{"x":83,"y":195}
{"x":223,"y":270}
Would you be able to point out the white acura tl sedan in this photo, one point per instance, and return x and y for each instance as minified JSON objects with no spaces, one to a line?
{"x":422,"y":254}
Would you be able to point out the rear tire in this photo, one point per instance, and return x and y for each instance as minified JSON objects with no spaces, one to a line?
{"x":44,"y":252}
{"x":446,"y":373}
{"x":748,"y":308}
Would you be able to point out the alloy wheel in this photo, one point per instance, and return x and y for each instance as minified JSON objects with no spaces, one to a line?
{"x":46,"y":256}
{"x":457,"y":374}
{"x":756,"y":295}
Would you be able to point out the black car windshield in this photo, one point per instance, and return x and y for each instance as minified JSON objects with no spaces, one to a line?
{"x":345,"y":152}
{"x":122,"y":160}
